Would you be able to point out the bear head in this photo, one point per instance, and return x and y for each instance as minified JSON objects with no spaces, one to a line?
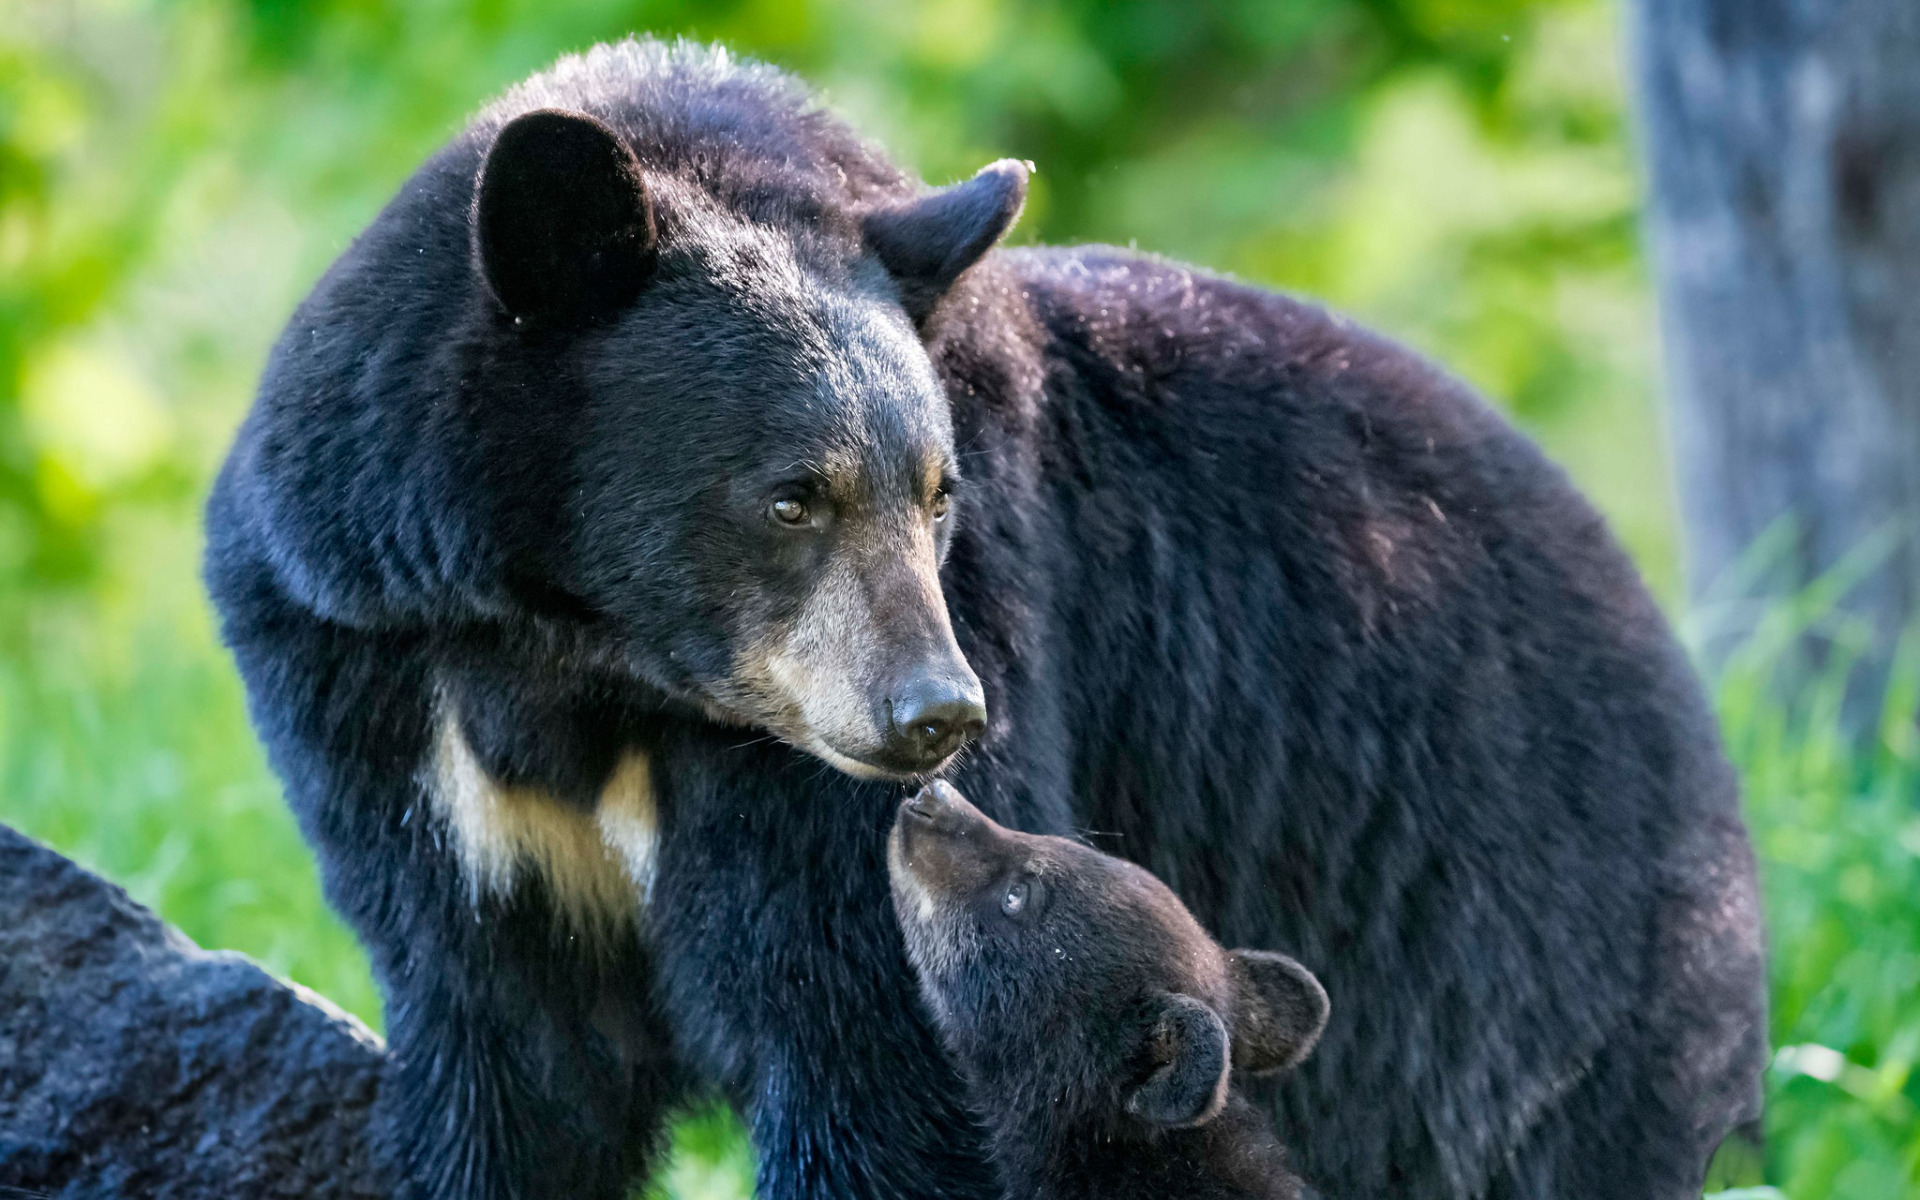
{"x":637,"y":363}
{"x":812,"y":484}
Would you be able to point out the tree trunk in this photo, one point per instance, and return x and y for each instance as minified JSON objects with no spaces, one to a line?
{"x":134,"y":1064}
{"x":1783,"y":140}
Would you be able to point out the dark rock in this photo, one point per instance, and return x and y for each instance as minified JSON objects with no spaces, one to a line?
{"x":135,"y":1064}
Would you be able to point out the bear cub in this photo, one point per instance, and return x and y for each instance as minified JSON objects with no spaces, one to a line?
{"x":1096,"y":1023}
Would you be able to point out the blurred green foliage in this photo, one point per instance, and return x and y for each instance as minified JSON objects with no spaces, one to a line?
{"x":174,"y":174}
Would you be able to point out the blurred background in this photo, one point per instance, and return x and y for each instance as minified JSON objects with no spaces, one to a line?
{"x":1462,"y":174}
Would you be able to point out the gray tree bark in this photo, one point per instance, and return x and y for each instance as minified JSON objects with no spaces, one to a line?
{"x":134,"y":1064}
{"x":1783,"y":145}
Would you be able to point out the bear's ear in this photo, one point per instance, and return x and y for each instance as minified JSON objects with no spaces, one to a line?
{"x":563,"y":228}
{"x":1188,"y":1041}
{"x":1279,"y":1009}
{"x":927,"y":242}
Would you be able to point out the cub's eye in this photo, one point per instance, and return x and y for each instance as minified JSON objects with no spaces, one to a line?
{"x":1014,"y":902}
{"x":790,"y":511}
{"x":942,"y":505}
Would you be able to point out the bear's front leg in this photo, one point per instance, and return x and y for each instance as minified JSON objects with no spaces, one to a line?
{"x":522,"y":1065}
{"x":527,"y":1058}
{"x":783,"y":971}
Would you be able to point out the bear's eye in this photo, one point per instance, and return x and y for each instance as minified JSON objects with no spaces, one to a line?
{"x":1014,"y":902}
{"x":942,"y":505}
{"x":790,"y":511}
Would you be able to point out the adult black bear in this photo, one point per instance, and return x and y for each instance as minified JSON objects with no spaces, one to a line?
{"x":1099,"y":1029}
{"x":664,"y":476}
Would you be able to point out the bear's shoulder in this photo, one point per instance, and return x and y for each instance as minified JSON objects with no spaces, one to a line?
{"x":1211,"y":348}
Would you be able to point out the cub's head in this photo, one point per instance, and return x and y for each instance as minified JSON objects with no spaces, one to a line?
{"x":1069,"y":982}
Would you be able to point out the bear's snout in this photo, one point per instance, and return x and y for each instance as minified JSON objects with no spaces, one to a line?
{"x":941,"y":808}
{"x":944,"y":845}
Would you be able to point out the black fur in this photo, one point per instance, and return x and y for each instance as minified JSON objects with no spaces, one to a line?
{"x":1287,"y":615}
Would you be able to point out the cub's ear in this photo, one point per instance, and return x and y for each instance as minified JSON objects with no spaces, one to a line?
{"x":927,"y":242}
{"x":1189,"y":1042}
{"x":1279,"y":1009}
{"x":563,"y":229}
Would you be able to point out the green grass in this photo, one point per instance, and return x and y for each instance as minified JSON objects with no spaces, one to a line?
{"x":124,"y":743}
{"x":1837,"y":830}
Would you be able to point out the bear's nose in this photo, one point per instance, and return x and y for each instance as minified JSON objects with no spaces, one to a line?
{"x":930,"y":717}
{"x":940,"y":809}
{"x":934,"y":801}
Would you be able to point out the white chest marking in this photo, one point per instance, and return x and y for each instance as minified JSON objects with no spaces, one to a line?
{"x":598,"y":867}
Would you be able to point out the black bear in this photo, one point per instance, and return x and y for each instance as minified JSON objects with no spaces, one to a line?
{"x":1097,"y":1026}
{"x":664,"y":478}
